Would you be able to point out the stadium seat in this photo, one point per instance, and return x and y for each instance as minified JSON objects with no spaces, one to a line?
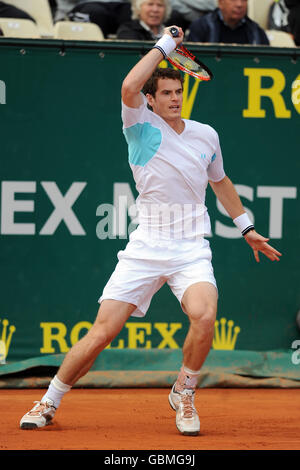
{"x":40,"y":11}
{"x":74,"y":30}
{"x":258,"y":10}
{"x":280,"y":38}
{"x":19,"y":28}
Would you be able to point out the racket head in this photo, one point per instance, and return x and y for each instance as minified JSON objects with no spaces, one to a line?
{"x":185,"y":61}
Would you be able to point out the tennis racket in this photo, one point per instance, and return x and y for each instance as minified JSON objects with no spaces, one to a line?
{"x":184,"y":60}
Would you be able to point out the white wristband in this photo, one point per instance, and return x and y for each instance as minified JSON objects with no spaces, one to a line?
{"x":165,"y":45}
{"x":243,"y":223}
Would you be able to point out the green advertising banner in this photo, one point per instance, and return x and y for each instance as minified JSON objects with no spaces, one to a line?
{"x":67,"y":195}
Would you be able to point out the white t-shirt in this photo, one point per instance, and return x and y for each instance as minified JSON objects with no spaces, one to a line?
{"x":171,"y":172}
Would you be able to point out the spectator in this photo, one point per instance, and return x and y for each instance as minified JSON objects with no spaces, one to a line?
{"x":63,"y":7}
{"x":9,"y":11}
{"x":228,"y":24}
{"x":108,"y":15}
{"x":294,"y":19}
{"x":186,"y":11}
{"x":53,"y":7}
{"x":278,"y":16}
{"x":147,"y":22}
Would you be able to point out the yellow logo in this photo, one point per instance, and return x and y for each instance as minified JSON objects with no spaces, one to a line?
{"x":257,"y":93}
{"x":55,"y":336}
{"x":225,"y":339}
{"x":5,"y":340}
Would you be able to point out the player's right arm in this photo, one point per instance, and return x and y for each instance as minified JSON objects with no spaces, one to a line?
{"x":229,"y":198}
{"x":142,"y":71}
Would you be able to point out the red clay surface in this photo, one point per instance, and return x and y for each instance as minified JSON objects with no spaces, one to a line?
{"x":132,"y":419}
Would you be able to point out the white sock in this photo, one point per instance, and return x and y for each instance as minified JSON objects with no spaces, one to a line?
{"x":56,"y":391}
{"x":187,"y":378}
{"x":191,"y":372}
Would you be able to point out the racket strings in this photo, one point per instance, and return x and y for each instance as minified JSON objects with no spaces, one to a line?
{"x":185,"y":61}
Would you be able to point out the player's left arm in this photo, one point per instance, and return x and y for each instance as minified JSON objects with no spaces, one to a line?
{"x":229,"y":198}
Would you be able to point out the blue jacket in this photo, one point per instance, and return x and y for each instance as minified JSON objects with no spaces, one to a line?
{"x":207,"y":29}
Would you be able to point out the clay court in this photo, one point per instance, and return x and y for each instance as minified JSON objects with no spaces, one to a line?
{"x":133,"y":419}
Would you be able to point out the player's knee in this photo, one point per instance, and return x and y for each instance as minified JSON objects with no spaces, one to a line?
{"x":100,"y":337}
{"x":203,"y":315}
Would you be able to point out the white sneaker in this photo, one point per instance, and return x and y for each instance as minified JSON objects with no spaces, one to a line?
{"x":41,"y":415}
{"x":187,"y":419}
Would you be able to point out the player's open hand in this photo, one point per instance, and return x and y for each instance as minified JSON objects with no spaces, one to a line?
{"x":178,"y":39}
{"x":259,"y":243}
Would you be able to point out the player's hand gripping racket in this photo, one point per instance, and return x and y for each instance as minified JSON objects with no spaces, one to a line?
{"x":184,"y":60}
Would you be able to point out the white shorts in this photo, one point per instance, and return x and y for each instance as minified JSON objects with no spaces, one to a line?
{"x":146,"y":264}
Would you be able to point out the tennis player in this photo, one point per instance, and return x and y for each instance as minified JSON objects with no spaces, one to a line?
{"x":172,"y":160}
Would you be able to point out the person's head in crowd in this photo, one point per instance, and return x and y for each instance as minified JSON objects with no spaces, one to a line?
{"x":233,"y":11}
{"x":151,"y":12}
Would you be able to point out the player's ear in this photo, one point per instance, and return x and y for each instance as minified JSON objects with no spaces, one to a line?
{"x":150,"y":99}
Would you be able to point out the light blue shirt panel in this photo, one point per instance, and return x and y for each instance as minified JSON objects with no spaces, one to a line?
{"x":143,"y":142}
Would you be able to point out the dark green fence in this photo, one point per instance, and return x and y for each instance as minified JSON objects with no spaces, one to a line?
{"x":64,"y":170}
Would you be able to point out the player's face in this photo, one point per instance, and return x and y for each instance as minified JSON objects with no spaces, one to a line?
{"x":167,"y":101}
{"x":233,"y":10}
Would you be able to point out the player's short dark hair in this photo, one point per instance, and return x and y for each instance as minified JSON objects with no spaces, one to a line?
{"x":151,"y":84}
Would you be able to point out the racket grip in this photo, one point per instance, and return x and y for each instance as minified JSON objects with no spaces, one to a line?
{"x":174,"y":32}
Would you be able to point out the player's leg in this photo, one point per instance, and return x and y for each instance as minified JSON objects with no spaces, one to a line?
{"x":110,"y":320}
{"x":199,"y":302}
{"x":111,"y":317}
